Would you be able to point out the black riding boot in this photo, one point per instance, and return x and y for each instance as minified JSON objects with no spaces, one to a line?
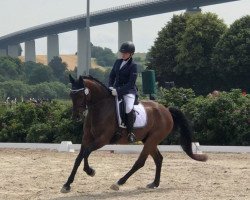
{"x":130,"y":125}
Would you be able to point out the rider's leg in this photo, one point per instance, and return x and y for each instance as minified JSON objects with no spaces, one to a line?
{"x":130,"y":126}
{"x":130,"y":118}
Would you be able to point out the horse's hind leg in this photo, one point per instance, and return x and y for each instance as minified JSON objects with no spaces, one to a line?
{"x":138,"y":164}
{"x":158,"y":163}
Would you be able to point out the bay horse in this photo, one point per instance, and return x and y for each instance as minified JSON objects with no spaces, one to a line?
{"x":101,"y":124}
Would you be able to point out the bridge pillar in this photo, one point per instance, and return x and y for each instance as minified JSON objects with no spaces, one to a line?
{"x":124,"y":32}
{"x":3,"y":52}
{"x":82,"y":46}
{"x":52,"y":47}
{"x":30,"y":51}
{"x":13,"y":50}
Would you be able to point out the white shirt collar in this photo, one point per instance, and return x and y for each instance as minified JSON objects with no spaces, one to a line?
{"x":124,"y":62}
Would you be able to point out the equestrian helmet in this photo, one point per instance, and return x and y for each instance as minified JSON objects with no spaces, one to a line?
{"x":127,"y":47}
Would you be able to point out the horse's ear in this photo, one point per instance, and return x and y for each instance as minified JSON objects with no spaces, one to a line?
{"x":81,"y":81}
{"x":71,"y":79}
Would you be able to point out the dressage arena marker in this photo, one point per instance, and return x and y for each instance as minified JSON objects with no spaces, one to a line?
{"x":67,"y":146}
{"x":196,"y":147}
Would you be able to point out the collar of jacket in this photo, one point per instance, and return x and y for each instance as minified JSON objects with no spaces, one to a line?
{"x":128,"y":63}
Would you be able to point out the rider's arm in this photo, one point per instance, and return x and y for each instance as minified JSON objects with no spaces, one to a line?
{"x":112,"y":76}
{"x":131,"y":83}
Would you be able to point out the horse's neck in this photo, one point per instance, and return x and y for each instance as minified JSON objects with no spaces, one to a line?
{"x":98,"y":98}
{"x":97,"y":92}
{"x":102,"y":104}
{"x":101,"y":100}
{"x":102,"y":112}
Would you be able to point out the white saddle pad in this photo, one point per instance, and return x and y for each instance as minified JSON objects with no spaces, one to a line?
{"x":140,"y":113}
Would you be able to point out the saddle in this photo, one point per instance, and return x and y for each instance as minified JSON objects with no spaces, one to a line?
{"x":139,"y":113}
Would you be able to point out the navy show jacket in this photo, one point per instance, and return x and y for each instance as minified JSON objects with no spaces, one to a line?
{"x":123,"y":80}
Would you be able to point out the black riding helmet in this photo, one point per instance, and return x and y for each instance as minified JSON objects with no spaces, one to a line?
{"x":127,"y":47}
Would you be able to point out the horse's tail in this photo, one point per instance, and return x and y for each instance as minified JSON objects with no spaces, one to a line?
{"x":186,"y":134}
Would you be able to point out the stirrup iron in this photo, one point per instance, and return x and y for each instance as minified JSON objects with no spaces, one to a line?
{"x":131,"y":138}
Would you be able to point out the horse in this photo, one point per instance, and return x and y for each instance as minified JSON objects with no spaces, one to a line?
{"x":100,"y":126}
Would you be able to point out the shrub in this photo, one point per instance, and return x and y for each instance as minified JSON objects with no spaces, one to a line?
{"x":175,"y":96}
{"x":222,"y":120}
{"x":46,"y":122}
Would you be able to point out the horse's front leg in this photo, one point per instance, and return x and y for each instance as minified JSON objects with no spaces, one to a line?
{"x":89,"y":170}
{"x":83,"y":153}
{"x":87,"y":140}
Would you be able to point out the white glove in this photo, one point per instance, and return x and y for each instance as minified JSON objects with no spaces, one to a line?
{"x":114,"y":92}
{"x":111,"y":88}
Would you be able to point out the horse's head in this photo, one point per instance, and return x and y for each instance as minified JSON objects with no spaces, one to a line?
{"x":86,"y":92}
{"x":79,"y":95}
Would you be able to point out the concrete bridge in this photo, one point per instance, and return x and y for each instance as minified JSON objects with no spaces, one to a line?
{"x":123,"y":14}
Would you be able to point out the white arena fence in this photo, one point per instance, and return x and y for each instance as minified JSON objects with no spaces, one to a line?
{"x":67,"y":146}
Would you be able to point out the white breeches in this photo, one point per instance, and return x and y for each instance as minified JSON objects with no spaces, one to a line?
{"x":129,"y":102}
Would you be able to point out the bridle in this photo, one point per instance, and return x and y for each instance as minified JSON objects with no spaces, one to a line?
{"x":86,"y":92}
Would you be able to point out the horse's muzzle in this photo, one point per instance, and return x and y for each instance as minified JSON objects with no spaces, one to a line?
{"x":77,"y":115}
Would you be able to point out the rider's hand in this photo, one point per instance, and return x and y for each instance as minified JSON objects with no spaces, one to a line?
{"x":111,"y":88}
{"x":114,"y":92}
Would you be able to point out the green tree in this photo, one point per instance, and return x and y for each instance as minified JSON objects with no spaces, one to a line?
{"x":232,"y":56}
{"x":182,"y":52}
{"x":10,"y":69}
{"x":101,"y":75}
{"x":202,"y":33}
{"x":104,"y":56}
{"x":37,"y":73}
{"x":161,"y":56}
{"x":51,"y":90}
{"x":59,"y":68}
{"x":140,"y":61}
{"x":13,"y":89}
{"x":41,"y":74}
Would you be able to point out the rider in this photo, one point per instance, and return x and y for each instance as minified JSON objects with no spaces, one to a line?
{"x":122,"y":80}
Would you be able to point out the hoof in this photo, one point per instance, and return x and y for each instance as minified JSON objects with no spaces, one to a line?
{"x":65,"y":189}
{"x":90,"y":172}
{"x":114,"y":187}
{"x":152,"y":186}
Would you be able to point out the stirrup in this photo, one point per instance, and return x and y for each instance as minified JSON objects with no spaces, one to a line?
{"x":131,"y":138}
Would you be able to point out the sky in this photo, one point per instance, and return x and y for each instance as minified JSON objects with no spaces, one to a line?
{"x":16,"y":15}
